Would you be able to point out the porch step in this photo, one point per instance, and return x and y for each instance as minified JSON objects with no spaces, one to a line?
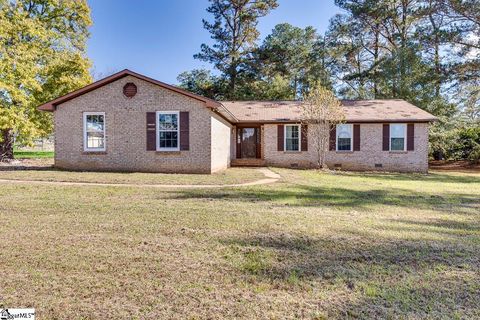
{"x":248,"y":163}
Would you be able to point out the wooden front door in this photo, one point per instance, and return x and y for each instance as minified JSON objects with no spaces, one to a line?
{"x":248,"y":143}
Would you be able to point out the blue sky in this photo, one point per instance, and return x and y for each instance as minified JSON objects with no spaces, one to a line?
{"x":159,"y":37}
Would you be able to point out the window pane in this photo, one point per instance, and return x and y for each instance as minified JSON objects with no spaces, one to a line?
{"x":344,"y":137}
{"x":397,"y":131}
{"x":292,"y":144}
{"x":344,"y":131}
{"x":95,"y":131}
{"x":168,"y":139}
{"x":398,"y":144}
{"x":95,"y":140}
{"x":95,"y":123}
{"x":168,"y":122}
{"x":292,"y":132}
{"x":344,"y":144}
{"x":292,"y":135}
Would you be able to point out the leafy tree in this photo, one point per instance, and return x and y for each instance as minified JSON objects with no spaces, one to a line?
{"x":234,"y":30}
{"x":465,"y":22}
{"x":321,"y":111}
{"x":320,"y":64}
{"x":274,"y":87}
{"x":202,"y":82}
{"x":358,"y":42}
{"x":433,"y":35}
{"x":468,"y":144}
{"x":443,"y":133}
{"x":377,"y":46}
{"x":42,"y":56}
{"x":423,"y":51}
{"x":296,"y":54}
{"x":471,"y":103}
{"x":353,"y":64}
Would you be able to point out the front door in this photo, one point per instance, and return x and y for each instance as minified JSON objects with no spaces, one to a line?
{"x":248,"y":143}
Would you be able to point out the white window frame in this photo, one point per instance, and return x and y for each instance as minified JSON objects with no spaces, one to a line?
{"x":157,"y":125}
{"x":337,"y":136}
{"x":404,"y":137}
{"x":299,"y":137}
{"x":85,"y":137}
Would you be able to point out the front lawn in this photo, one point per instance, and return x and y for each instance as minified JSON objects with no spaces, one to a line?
{"x":314,"y":245}
{"x":22,"y":154}
{"x":230,"y":176}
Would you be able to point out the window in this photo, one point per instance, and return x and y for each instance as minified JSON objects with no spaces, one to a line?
{"x":94,"y":131}
{"x":292,"y":137}
{"x":344,"y":137}
{"x":168,"y":131}
{"x":397,"y":137}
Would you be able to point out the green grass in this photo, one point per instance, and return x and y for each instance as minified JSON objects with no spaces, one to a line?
{"x":33,"y":154}
{"x":315,"y":246}
{"x":230,"y":176}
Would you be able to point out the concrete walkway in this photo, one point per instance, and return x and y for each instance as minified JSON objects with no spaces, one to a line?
{"x":270,"y":177}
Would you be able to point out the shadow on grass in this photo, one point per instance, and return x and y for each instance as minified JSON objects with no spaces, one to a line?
{"x":408,"y":276}
{"x":304,"y":196}
{"x":350,"y":258}
{"x":431,"y":177}
{"x":27,"y":168}
{"x":473,"y":225}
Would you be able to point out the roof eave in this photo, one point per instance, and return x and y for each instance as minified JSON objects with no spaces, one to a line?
{"x":225,"y":113}
{"x":346,"y":120}
{"x":48,"y":107}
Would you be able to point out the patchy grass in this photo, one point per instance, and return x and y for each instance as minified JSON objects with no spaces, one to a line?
{"x":33,"y":154}
{"x":315,"y":245}
{"x":230,"y":176}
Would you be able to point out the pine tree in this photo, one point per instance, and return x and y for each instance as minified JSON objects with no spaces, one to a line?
{"x":294,"y":54}
{"x":234,"y":30}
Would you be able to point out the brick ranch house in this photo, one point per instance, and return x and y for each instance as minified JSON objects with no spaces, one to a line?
{"x":129,"y":122}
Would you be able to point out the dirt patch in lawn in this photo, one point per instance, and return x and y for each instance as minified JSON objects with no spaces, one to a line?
{"x":27,"y":164}
{"x":462,"y":166}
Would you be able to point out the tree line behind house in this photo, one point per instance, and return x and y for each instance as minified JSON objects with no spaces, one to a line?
{"x":424,"y":51}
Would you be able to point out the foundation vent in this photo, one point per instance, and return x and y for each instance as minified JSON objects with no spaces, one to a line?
{"x":378,"y":165}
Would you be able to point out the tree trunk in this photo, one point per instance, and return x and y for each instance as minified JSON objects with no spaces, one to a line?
{"x":436,"y":31}
{"x":295,"y":88}
{"x":6,"y":145}
{"x":375,"y":61}
{"x":233,"y":81}
{"x":438,"y":69}
{"x":321,"y":142}
{"x":402,"y":86}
